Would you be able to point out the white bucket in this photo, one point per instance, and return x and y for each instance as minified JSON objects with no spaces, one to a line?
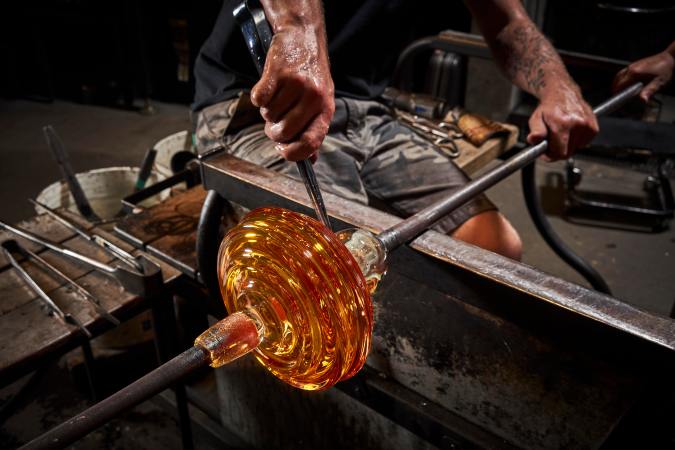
{"x":104,"y":188}
{"x":167,"y":148}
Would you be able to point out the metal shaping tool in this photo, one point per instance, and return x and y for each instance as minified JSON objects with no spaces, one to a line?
{"x":131,"y":280}
{"x":10,"y":246}
{"x":312,"y":186}
{"x":258,"y":36}
{"x":61,"y":155}
{"x":88,"y":296}
{"x":102,"y":242}
{"x":146,"y":168}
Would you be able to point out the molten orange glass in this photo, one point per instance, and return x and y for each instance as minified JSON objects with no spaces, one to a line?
{"x":305,"y":293}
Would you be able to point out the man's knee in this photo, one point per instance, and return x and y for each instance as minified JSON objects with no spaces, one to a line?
{"x":490,"y":230}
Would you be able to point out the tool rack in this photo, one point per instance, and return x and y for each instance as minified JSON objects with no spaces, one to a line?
{"x":30,"y":340}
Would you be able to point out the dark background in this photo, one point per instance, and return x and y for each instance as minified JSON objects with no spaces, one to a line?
{"x":118,"y":52}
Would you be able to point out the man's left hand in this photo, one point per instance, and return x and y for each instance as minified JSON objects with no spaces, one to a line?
{"x":563,"y":118}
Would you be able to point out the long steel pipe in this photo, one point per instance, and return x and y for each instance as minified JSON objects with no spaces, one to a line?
{"x":415,"y":225}
{"x":145,"y":387}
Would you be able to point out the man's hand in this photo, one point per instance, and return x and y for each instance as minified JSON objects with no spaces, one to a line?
{"x":565,"y":119}
{"x":655,"y":71}
{"x":295,"y":93}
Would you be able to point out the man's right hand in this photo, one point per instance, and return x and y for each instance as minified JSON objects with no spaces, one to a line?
{"x":655,"y":71}
{"x":295,"y":93}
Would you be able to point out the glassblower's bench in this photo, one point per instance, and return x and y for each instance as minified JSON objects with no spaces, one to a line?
{"x":469,"y":348}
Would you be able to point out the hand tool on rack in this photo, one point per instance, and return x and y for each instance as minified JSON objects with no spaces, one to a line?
{"x":442,"y":134}
{"x":114,"y":250}
{"x":10,"y":246}
{"x":258,"y":36}
{"x":146,"y":168}
{"x":14,"y":246}
{"x":61,"y":155}
{"x":134,"y":281}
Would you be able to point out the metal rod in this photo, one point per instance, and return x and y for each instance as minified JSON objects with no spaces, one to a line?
{"x":77,"y":287}
{"x":312,"y":186}
{"x":102,"y":412}
{"x":413,"y":226}
{"x":112,"y":249}
{"x":63,"y":160}
{"x":7,"y":248}
{"x":139,"y":283}
{"x":57,"y":248}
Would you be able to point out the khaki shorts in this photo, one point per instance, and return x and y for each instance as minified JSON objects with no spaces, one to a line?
{"x":368,"y":157}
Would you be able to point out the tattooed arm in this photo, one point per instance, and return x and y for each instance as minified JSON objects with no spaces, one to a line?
{"x":531,"y":62}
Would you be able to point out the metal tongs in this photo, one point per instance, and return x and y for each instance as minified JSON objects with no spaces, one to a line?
{"x":116,"y":251}
{"x":442,"y":134}
{"x":258,"y":36}
{"x":8,"y":247}
{"x":135,"y":275}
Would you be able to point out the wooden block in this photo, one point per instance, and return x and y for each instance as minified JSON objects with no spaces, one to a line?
{"x":471,"y":159}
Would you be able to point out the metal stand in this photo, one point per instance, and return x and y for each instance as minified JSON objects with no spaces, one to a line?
{"x":164,"y":322}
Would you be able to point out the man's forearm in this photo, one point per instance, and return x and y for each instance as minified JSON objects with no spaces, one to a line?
{"x":528,"y":58}
{"x":523,"y":53}
{"x":295,"y":13}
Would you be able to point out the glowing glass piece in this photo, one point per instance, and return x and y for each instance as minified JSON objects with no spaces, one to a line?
{"x":304,"y":291}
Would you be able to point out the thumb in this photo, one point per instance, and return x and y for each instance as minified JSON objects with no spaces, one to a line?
{"x":620,"y":80}
{"x":538,"y":130}
{"x":651,"y":89}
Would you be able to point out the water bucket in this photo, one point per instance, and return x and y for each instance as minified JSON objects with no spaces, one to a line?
{"x":167,"y":148}
{"x":104,"y":188}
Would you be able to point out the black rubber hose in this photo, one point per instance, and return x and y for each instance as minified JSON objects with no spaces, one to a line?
{"x":551,"y":237}
{"x":208,"y":241}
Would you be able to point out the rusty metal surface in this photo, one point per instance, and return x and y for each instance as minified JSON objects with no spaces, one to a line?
{"x":520,"y":384}
{"x":265,"y":413}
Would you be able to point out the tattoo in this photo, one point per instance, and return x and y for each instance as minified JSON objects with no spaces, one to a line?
{"x":528,"y":56}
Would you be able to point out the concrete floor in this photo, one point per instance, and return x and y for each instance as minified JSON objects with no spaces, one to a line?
{"x":639,"y":267}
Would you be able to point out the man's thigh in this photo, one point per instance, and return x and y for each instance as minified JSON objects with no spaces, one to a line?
{"x":336,"y":169}
{"x":409,"y":173}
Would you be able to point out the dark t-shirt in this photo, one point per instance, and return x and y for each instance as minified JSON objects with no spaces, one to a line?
{"x":365,"y":39}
